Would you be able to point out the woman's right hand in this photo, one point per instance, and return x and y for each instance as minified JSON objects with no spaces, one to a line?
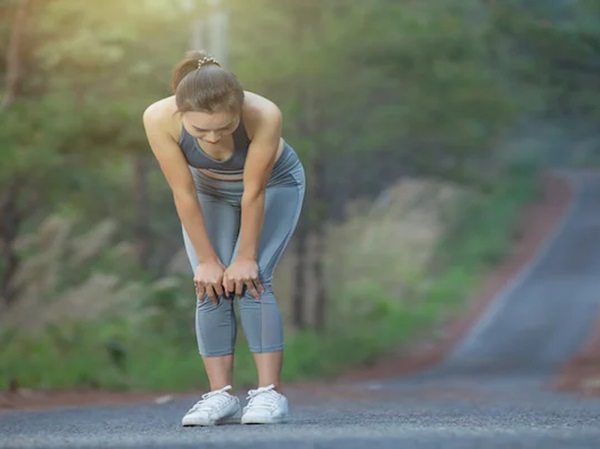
{"x":208,"y":279}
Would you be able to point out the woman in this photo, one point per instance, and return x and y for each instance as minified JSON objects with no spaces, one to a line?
{"x":238,"y":190}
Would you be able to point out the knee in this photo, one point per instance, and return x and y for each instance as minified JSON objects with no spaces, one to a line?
{"x":258,"y":349}
{"x":266,"y":295}
{"x":205,"y":305}
{"x":216,"y":352}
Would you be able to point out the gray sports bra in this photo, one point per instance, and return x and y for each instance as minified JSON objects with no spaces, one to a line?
{"x":197,"y":158}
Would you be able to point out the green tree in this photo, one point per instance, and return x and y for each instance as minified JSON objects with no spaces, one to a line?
{"x":560,"y":52}
{"x":77,"y":77}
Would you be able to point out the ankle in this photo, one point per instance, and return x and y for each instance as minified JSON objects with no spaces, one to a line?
{"x":275,"y":387}
{"x":227,"y":387}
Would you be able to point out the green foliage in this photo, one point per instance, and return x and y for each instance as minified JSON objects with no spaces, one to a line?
{"x":415,"y":72}
{"x":489,"y":224}
{"x":87,"y":73}
{"x":558,"y":53}
{"x":350,"y":78}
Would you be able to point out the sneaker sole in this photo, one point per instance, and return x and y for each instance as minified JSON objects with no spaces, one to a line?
{"x":234,"y":419}
{"x":264,"y":421}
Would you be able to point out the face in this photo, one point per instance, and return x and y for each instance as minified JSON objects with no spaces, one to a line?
{"x":209,"y":128}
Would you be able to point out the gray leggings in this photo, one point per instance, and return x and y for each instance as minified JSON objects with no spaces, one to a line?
{"x":220,"y":203}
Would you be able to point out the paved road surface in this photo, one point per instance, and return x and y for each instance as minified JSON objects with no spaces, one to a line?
{"x":489,"y":393}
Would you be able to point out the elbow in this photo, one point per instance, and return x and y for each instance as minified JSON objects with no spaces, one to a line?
{"x":184,"y":196}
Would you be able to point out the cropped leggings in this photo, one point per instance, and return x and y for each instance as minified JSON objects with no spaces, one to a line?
{"x":261,"y":319}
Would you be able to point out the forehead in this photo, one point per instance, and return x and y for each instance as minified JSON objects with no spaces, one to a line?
{"x":205,"y":120}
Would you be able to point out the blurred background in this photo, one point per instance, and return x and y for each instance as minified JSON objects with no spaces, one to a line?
{"x":424,"y":126}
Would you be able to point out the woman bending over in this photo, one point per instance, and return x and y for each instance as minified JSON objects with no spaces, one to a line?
{"x":238,"y":189}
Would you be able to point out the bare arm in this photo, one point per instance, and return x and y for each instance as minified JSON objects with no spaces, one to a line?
{"x":176,"y":171}
{"x":257,"y":169}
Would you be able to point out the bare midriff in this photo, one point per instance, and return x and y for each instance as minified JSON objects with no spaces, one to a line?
{"x":220,"y":177}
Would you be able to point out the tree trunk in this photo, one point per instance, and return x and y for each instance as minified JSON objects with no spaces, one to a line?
{"x":320,"y":319}
{"x":299,"y":294}
{"x":10,"y":220}
{"x":304,"y":26}
{"x":13,"y":55}
{"x":316,"y":216}
{"x":141,"y":200}
{"x":320,"y":310}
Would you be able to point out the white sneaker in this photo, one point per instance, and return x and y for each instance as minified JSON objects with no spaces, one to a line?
{"x":265,"y":406}
{"x":216,"y":407}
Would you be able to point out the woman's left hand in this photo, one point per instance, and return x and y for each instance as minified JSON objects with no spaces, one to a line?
{"x":242,"y":272}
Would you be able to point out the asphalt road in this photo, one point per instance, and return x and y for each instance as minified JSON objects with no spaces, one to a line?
{"x":489,"y":393}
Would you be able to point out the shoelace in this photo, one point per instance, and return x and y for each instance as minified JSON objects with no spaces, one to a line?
{"x":219,"y":396}
{"x":264,"y":397}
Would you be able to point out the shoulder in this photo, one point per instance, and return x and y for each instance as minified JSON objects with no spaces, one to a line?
{"x":161,"y":116}
{"x":259,"y":112}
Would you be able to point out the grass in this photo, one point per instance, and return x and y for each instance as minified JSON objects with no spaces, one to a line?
{"x":118,"y":356}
